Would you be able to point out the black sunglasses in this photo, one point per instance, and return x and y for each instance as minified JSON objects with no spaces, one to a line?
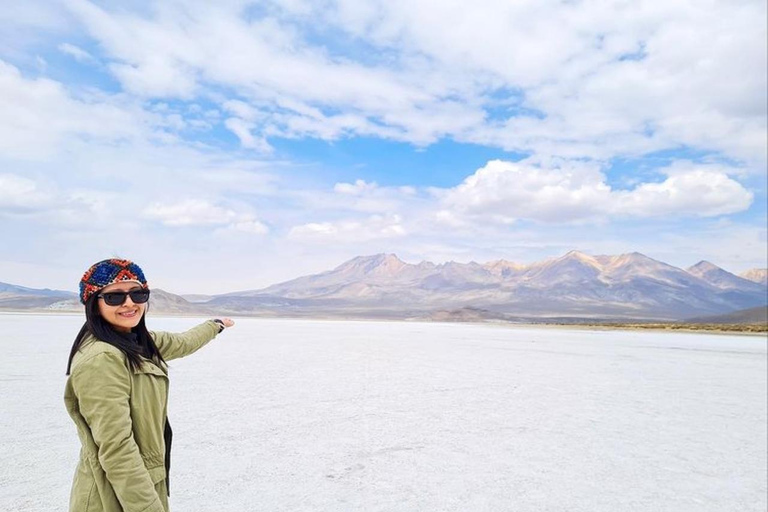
{"x":118,"y":298}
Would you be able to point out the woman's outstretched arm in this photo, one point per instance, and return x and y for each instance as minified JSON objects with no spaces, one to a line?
{"x":175,"y":345}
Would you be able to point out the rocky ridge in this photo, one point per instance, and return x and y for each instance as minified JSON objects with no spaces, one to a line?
{"x":575,"y":285}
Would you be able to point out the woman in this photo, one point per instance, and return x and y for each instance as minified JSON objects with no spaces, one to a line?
{"x":117,"y":392}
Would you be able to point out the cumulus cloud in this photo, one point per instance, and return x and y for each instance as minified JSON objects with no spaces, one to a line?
{"x":700,"y":192}
{"x":507,"y":191}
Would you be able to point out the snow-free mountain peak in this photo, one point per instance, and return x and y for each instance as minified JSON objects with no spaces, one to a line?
{"x":756,"y":275}
{"x":504,"y":268}
{"x":377,"y":264}
{"x":572,"y":267}
{"x":635,"y":259}
{"x":43,"y":292}
{"x":504,"y":264}
{"x":578,"y":255}
{"x":718,"y":277}
{"x":703,"y":267}
{"x":635,"y":262}
{"x":637,"y":267}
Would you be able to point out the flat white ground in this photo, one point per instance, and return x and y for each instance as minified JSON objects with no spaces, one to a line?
{"x":286,"y":415}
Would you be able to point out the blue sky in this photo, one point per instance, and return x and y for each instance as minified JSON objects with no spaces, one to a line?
{"x":231,"y":146}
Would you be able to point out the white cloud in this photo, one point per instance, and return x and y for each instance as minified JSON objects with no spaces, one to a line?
{"x":451,"y":219}
{"x":243,"y":131}
{"x":78,"y":53}
{"x":361,"y":197}
{"x":250,"y":226}
{"x":506,"y":191}
{"x":357,"y":188}
{"x":156,"y":78}
{"x":351,"y":230}
{"x":19,"y":194}
{"x":314,"y":228}
{"x":37,"y":203}
{"x":196,"y":212}
{"x":40,"y":117}
{"x":189,"y":213}
{"x":699,"y":192}
{"x":267,"y":62}
{"x":242,"y":110}
{"x":609,"y":78}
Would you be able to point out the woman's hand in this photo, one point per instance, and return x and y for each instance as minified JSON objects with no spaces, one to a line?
{"x":226,"y":322}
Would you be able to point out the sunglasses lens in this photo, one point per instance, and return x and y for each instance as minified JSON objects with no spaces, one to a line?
{"x":118,"y":298}
{"x":139,"y":296}
{"x":114,"y":298}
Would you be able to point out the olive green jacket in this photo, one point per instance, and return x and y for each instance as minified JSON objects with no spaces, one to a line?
{"x":120,"y":417}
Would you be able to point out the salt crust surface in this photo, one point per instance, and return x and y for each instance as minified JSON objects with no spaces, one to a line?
{"x":289,"y":415}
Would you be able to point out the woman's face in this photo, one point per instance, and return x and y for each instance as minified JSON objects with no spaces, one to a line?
{"x":125,"y":316}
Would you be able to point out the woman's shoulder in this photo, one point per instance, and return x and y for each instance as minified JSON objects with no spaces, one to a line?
{"x":95,"y":351}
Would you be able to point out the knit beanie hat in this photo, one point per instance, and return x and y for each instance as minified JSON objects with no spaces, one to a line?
{"x":108,"y":272}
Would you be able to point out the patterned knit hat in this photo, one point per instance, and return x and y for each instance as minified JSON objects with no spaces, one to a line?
{"x":108,"y":272}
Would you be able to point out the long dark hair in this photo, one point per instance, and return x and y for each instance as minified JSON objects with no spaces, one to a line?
{"x":134,"y":350}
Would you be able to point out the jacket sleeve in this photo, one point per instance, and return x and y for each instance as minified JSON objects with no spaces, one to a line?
{"x":173,"y":345}
{"x":102,"y":385}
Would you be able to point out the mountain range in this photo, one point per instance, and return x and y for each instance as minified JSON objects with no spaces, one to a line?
{"x":575,"y":285}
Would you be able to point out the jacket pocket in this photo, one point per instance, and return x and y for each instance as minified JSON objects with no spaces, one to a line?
{"x":150,"y":368}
